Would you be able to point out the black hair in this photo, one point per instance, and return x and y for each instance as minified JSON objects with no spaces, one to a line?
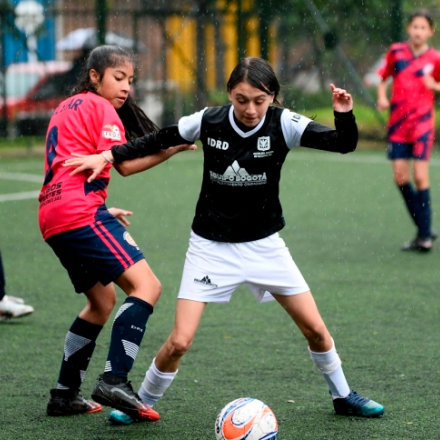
{"x":135,"y":121}
{"x":258,"y":73}
{"x":424,"y":13}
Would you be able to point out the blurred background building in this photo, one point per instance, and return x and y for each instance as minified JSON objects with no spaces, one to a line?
{"x":187,"y":49}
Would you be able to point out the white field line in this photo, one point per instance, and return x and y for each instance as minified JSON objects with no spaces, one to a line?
{"x":187,"y":156}
{"x":302,"y":156}
{"x":19,"y":196}
{"x":22,"y":177}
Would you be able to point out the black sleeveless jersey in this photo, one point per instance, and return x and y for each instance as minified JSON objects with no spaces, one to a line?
{"x":239,"y":198}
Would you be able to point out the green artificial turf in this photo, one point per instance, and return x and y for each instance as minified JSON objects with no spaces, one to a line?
{"x":345,"y":225}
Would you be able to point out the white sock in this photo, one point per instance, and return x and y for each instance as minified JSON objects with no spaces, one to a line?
{"x":329,"y":364}
{"x":155,"y":384}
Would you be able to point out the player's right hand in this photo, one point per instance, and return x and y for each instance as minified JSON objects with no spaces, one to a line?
{"x":179,"y":148}
{"x":382,"y":104}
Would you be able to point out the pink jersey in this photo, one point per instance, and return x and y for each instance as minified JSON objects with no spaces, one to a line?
{"x":86,"y":124}
{"x":412,"y":103}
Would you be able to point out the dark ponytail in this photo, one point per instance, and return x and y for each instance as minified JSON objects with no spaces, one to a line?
{"x":134,"y":120}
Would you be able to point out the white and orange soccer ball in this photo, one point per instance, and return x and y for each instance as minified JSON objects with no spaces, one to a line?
{"x":246,"y":418}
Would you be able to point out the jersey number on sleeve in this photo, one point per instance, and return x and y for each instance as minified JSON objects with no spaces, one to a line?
{"x":51,"y":154}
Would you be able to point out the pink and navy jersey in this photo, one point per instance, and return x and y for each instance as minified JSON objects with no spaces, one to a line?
{"x":412,"y":103}
{"x":85,"y":124}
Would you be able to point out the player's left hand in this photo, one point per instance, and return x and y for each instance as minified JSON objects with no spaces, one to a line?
{"x":120,"y":215}
{"x":342,"y":100}
{"x":93,"y":162}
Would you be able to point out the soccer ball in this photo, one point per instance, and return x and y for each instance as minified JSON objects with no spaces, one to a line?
{"x":246,"y":418}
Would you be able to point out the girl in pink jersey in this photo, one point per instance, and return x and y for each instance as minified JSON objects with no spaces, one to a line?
{"x":415,"y":69}
{"x":90,"y":240}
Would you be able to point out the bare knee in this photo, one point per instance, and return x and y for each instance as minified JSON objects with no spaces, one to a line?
{"x":421,"y":182}
{"x":153,"y":292}
{"x":400,"y":181}
{"x":401,"y":172}
{"x":98,"y":312}
{"x":177,"y":346}
{"x":317,"y":335}
{"x":149,"y":291}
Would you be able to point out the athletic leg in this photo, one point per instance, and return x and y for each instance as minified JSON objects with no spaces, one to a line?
{"x":2,"y":279}
{"x":113,"y":389}
{"x":166,"y":363}
{"x":402,"y":178}
{"x":422,"y":209}
{"x":421,"y":180}
{"x":164,"y":366}
{"x":303,"y":310}
{"x":81,"y":338}
{"x":79,"y":345}
{"x":143,"y":290}
{"x":10,"y":306}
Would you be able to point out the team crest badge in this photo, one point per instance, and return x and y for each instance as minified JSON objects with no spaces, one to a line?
{"x":263,"y":143}
{"x":129,"y":239}
{"x":111,"y":132}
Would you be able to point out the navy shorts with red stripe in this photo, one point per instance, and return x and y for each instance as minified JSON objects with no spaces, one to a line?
{"x":96,"y":253}
{"x":406,"y":150}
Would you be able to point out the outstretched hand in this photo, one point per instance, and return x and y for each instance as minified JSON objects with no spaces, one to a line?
{"x":342,"y":100}
{"x":120,"y":215}
{"x":97,"y":162}
{"x":183,"y":147}
{"x":93,"y":162}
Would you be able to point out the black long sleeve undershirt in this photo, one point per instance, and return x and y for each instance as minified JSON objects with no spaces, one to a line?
{"x":317,"y":136}
{"x":150,"y":144}
{"x":342,"y":140}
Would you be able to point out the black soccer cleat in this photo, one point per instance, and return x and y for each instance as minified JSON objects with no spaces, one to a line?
{"x":70,"y":402}
{"x":356,"y":405}
{"x":419,"y":244}
{"x":118,"y":393}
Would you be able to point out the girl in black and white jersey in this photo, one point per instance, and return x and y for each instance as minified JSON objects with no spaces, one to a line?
{"x":234,"y":237}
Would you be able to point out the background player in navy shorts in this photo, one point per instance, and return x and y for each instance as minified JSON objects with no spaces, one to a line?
{"x":415,"y":70}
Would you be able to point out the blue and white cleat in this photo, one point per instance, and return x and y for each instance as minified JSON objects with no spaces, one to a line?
{"x":120,"y":418}
{"x":356,"y":405}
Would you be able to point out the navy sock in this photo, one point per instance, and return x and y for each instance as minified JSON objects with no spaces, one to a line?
{"x":2,"y":279}
{"x":410,"y":197}
{"x":78,"y":349}
{"x":127,"y":333}
{"x":424,"y":202}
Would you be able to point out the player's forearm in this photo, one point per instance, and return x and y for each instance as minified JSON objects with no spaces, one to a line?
{"x":148,"y":145}
{"x":382,"y":90}
{"x":129,"y":167}
{"x":139,"y":147}
{"x":342,"y":140}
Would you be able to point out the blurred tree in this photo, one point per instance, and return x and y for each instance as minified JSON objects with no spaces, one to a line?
{"x":362,"y":29}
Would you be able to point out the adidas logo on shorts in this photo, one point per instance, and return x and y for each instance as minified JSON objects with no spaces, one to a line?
{"x":206,"y":281}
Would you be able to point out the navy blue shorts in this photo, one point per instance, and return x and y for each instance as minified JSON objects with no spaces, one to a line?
{"x":410,"y":150}
{"x":96,"y":253}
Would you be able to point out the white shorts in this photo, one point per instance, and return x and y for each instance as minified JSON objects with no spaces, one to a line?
{"x":213,"y":270}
